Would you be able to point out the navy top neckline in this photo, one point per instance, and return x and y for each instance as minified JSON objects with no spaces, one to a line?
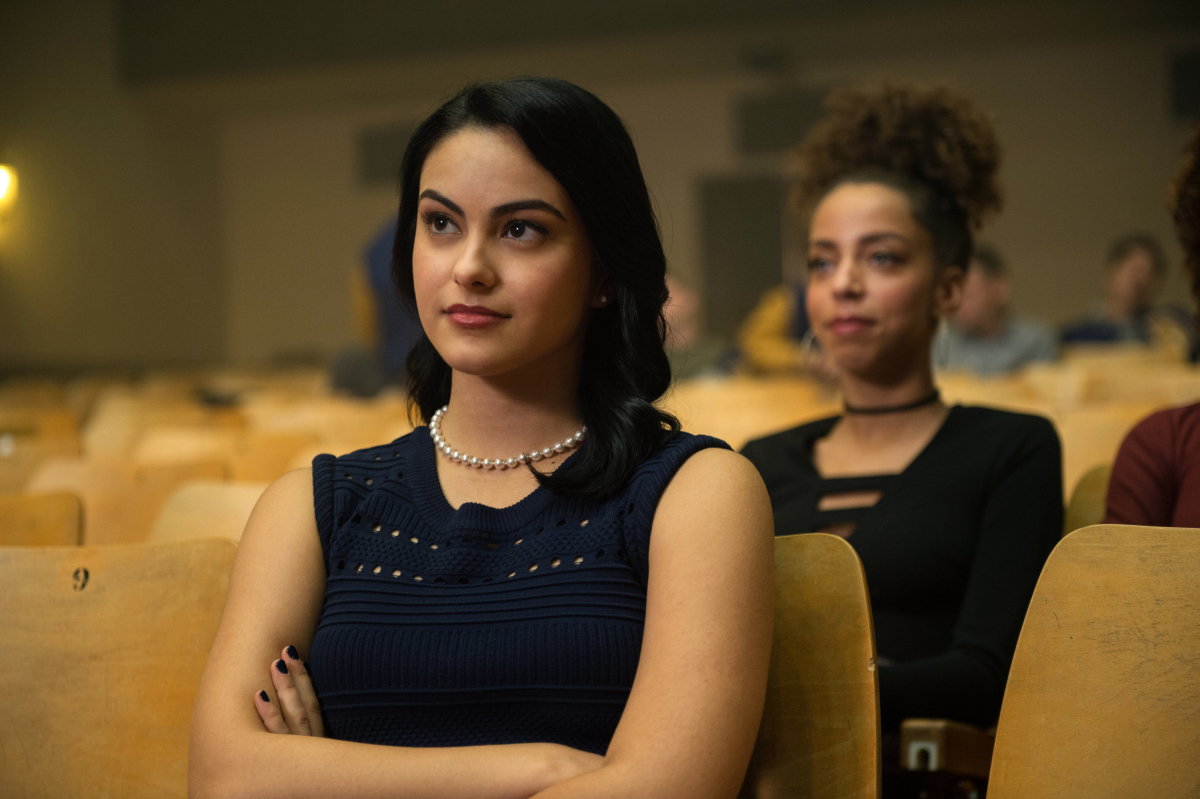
{"x":439,"y":513}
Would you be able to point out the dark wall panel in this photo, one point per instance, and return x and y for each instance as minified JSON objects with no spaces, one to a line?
{"x":742,"y":226}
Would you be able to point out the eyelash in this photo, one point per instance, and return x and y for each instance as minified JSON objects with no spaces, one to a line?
{"x":430,"y":217}
{"x":534,"y":226}
{"x":884,"y":258}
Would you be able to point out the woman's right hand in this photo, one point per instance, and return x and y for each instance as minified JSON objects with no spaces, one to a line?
{"x":297,"y":711}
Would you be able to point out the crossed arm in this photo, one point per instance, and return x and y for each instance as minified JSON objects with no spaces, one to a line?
{"x":687,"y":729}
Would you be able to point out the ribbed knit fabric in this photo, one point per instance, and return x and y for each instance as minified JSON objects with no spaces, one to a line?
{"x":480,"y":625}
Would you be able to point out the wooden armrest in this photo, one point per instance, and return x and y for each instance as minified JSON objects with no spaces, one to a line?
{"x":940,"y":745}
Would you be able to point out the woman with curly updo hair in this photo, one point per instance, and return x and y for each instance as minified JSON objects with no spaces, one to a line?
{"x":1156,"y":476}
{"x":953,"y":510}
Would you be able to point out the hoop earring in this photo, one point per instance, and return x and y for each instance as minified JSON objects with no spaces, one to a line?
{"x":806,"y":343}
{"x":941,"y":341}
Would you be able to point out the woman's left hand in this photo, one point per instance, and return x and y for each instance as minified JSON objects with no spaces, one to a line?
{"x":296,"y":711}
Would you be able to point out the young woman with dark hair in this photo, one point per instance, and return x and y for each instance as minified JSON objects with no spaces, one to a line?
{"x":549,"y":590}
{"x":953,"y":510}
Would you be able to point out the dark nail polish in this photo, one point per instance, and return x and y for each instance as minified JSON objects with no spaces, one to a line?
{"x":263,"y":696}
{"x":292,"y":653}
{"x":279,"y":664}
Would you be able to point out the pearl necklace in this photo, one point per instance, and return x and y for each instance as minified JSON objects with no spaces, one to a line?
{"x":487,"y":463}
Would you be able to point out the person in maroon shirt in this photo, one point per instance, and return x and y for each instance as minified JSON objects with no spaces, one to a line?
{"x":1156,"y":477}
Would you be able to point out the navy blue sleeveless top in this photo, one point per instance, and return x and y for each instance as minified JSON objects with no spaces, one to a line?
{"x":480,"y":625}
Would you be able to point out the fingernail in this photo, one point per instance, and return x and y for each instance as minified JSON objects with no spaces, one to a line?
{"x":279,"y":664}
{"x":292,"y":653}
{"x":263,"y":696}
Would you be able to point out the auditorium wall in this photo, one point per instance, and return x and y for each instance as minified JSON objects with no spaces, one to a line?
{"x":111,"y":256}
{"x":1089,"y":147}
{"x":216,"y":219}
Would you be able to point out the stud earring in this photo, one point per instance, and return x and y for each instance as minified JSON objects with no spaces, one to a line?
{"x":603,"y":300}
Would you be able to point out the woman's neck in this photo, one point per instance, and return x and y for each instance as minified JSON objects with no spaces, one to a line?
{"x":869,"y":394}
{"x":499,"y":417}
{"x":1120,"y":309}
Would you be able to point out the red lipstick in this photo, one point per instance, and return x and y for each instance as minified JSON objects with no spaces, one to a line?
{"x":474,"y":317}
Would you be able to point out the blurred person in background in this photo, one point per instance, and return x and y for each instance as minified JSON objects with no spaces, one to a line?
{"x":413,"y":620}
{"x":1156,"y":476}
{"x":776,"y":339}
{"x":771,"y":338}
{"x":983,"y":336}
{"x":692,"y":353}
{"x":386,"y":328}
{"x":1135,"y":270}
{"x":953,"y":510}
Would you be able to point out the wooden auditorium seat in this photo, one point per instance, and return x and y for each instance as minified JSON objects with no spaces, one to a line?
{"x":121,"y":415}
{"x":21,"y":455}
{"x":168,"y":444}
{"x":41,"y":520}
{"x":1103,"y":699}
{"x":1093,"y":434}
{"x":953,"y":758}
{"x":1087,"y":502}
{"x":120,"y":500}
{"x":264,"y":455}
{"x":739,"y":409}
{"x":820,"y":729}
{"x":103,"y":648}
{"x":206,"y":509}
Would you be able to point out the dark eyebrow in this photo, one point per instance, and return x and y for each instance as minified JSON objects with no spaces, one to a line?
{"x":446,"y":201}
{"x":526,"y":205}
{"x":865,"y":241}
{"x":874,"y":238}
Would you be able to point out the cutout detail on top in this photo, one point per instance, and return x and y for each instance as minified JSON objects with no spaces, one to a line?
{"x":842,"y":500}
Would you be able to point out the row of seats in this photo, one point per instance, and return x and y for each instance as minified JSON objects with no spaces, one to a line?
{"x":219,"y":509}
{"x":104,"y":647}
{"x":191,"y":501}
{"x":176,"y":458}
{"x":124,"y":448}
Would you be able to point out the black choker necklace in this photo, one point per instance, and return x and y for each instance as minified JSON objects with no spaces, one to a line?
{"x":908,"y":406}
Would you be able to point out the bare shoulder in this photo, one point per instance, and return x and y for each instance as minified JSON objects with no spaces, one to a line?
{"x":714,"y":462}
{"x":294,"y":485}
{"x":285,"y":507}
{"x":714,"y":489}
{"x":716,"y":477}
{"x":281,"y":536}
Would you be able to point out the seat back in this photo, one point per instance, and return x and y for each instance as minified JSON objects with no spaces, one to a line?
{"x":41,"y":520}
{"x":206,"y":509}
{"x":1093,"y":434}
{"x":1103,"y":698}
{"x":1087,"y":502}
{"x":102,"y":653}
{"x":739,"y":409}
{"x":20,"y":457}
{"x":820,"y":730}
{"x":120,"y":502}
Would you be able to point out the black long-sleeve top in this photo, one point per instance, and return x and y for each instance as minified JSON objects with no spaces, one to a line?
{"x":952,"y":551}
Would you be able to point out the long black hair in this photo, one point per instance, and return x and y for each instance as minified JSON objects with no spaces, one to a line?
{"x":585,"y":146}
